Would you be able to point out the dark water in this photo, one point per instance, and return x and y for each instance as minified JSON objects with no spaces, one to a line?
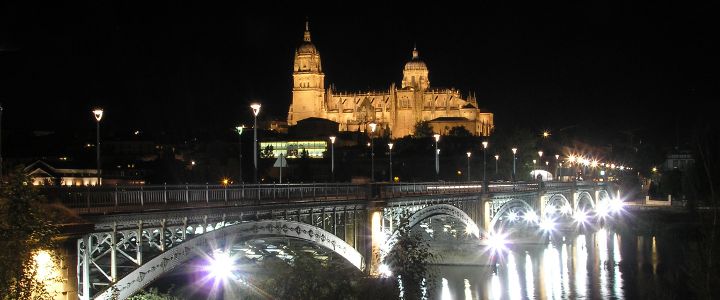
{"x":596,"y":265}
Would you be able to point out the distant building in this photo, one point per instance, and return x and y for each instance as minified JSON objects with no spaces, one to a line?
{"x":679,"y":159}
{"x":294,"y":149}
{"x":396,"y":110}
{"x":62,"y":173}
{"x":69,"y":173}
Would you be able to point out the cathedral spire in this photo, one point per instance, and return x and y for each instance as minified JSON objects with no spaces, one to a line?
{"x":415,"y":52}
{"x":307,"y":31}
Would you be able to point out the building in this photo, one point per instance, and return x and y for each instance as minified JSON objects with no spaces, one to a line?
{"x":679,"y":159}
{"x":396,"y":110}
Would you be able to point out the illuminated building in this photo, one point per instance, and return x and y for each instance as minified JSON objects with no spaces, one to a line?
{"x":395,"y":110}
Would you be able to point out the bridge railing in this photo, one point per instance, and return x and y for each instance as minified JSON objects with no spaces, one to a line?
{"x":159,"y":197}
{"x":141,"y":198}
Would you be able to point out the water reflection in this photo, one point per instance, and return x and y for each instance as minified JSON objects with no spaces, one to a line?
{"x":574,"y":266}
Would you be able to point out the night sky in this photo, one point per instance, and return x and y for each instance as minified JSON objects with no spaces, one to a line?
{"x":607,"y":67}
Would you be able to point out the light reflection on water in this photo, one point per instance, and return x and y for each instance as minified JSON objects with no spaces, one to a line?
{"x":585,"y":266}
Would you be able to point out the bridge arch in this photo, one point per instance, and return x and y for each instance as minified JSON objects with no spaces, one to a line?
{"x":584,"y":200}
{"x":556,"y":203}
{"x":168,"y":260}
{"x":444,"y":209}
{"x":513,"y":205}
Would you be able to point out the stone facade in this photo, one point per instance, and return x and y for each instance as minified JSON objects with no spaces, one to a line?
{"x":396,"y":110}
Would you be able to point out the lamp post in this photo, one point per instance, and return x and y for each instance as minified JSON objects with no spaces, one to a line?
{"x":557,"y":166}
{"x":98,"y":112}
{"x":390,"y":146}
{"x":239,"y":130}
{"x":468,"y":164}
{"x":372,"y":125}
{"x":540,"y":153}
{"x":497,"y":157}
{"x":437,"y":157}
{"x":332,"y":157}
{"x":485,"y":144}
{"x":256,"y":110}
{"x":514,"y":151}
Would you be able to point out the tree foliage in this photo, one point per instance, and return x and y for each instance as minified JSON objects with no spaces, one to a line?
{"x":459,"y":131}
{"x":25,"y":228}
{"x":422,"y":129}
{"x":409,"y":260}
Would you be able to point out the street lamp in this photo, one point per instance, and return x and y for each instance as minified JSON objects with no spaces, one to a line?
{"x":372,"y":125}
{"x":239,"y":130}
{"x":485,"y":144}
{"x":332,"y":157}
{"x":557,"y":166}
{"x":540,"y":153}
{"x":390,"y":145}
{"x":98,"y":112}
{"x":497,"y":157}
{"x":256,"y":110}
{"x":437,"y":157}
{"x":514,"y":151}
{"x":468,"y":164}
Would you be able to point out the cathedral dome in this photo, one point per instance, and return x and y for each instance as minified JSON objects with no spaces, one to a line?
{"x":415,"y":63}
{"x":307,"y":48}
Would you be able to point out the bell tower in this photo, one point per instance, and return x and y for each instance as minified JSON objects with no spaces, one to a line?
{"x":308,"y":82}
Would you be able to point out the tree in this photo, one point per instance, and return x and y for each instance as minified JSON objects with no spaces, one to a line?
{"x":423,"y":129}
{"x":26,"y":227}
{"x":154,"y":294}
{"x":409,"y":260}
{"x":459,"y":131}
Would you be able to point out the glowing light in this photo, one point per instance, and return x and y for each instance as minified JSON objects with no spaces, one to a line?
{"x":497,"y":157}
{"x":580,"y":217}
{"x":437,"y":137}
{"x":332,"y":139}
{"x":390,"y":145}
{"x":514,"y":150}
{"x":192,"y":162}
{"x":572,"y":158}
{"x":547,"y":225}
{"x":221,"y":265}
{"x":540,"y":153}
{"x":468,"y":154}
{"x":512,"y":216}
{"x":445,"y":291}
{"x":373,"y":126}
{"x":468,"y":292}
{"x":602,"y":210}
{"x":384,"y":270}
{"x":530,"y":216}
{"x":616,"y":205}
{"x":485,"y":144}
{"x":98,"y":112}
{"x":497,"y":242}
{"x":239,"y":129}
{"x":545,"y":134}
{"x":256,"y":108}
{"x":225,"y":181}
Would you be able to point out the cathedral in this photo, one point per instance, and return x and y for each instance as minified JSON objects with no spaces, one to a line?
{"x":396,"y":110}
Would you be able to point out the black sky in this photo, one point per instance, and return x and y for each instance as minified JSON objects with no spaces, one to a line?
{"x":189,"y":68}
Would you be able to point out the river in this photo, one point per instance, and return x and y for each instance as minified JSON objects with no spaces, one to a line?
{"x":595,"y":265}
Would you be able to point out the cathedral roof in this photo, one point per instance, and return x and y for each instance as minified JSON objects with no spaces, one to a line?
{"x":415,"y":63}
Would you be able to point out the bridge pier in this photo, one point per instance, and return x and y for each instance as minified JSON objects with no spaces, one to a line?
{"x":376,"y":240}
